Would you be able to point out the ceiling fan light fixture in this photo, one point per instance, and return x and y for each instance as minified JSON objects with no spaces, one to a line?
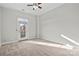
{"x":35,"y":7}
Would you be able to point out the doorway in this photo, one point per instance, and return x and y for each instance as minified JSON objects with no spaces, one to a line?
{"x":22,"y":26}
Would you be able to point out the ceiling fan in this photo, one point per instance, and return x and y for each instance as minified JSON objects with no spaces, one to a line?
{"x":35,"y":5}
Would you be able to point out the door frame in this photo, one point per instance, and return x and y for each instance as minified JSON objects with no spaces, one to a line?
{"x":18,"y":30}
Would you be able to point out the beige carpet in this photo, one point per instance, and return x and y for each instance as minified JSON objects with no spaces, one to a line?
{"x":24,"y":48}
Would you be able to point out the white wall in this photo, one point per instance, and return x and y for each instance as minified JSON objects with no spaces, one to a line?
{"x":61,"y":20}
{"x":10,"y":21}
{"x":37,"y":27}
{"x":0,"y":23}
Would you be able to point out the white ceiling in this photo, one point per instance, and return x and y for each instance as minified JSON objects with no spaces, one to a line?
{"x":19,"y":6}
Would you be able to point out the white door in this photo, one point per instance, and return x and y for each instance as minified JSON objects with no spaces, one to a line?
{"x":22,"y":26}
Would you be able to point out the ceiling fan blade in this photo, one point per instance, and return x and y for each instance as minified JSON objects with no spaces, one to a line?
{"x":39,"y":7}
{"x":39,"y":3}
{"x":29,"y":5}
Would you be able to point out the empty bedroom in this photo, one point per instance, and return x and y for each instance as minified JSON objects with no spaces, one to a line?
{"x":39,"y":29}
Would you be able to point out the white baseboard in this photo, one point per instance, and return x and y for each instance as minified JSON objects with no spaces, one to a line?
{"x":15,"y":41}
{"x":12,"y":42}
{"x":9,"y":42}
{"x":53,"y":41}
